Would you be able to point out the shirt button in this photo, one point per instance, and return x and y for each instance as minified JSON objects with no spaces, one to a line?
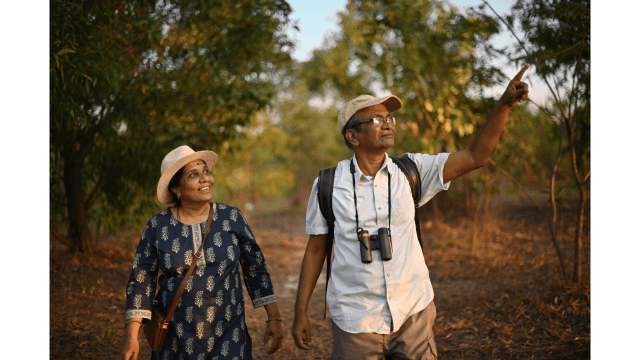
{"x":379,"y":208}
{"x":387,"y":275}
{"x":376,"y":185}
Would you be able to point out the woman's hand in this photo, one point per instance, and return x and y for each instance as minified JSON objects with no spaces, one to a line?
{"x":131,"y":345}
{"x":274,"y":329}
{"x":131,"y":348}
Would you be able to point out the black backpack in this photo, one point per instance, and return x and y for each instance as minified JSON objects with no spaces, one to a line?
{"x":325,"y":193}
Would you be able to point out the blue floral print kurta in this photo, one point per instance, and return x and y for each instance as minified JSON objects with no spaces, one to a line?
{"x":209,"y":320}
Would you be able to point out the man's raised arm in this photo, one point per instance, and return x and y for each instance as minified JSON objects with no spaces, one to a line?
{"x":464,"y":161}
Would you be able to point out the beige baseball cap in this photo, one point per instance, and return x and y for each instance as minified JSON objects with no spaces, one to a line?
{"x":392,"y":103}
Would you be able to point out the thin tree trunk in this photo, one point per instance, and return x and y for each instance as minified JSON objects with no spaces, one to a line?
{"x":570,"y":123}
{"x":476,"y":227}
{"x":580,"y":183}
{"x":577,"y":270}
{"x":550,"y":219}
{"x":566,"y":119}
{"x":554,"y":207}
{"x":468,"y":194}
{"x":79,"y":232}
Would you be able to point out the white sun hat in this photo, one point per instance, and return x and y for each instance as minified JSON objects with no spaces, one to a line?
{"x":392,"y":103}
{"x":174,"y":161}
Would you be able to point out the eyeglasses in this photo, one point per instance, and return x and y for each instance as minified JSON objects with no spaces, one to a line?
{"x":378,"y":120}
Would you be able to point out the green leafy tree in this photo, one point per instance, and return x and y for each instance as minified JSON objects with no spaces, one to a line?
{"x":311,"y":123}
{"x":131,"y":80}
{"x":557,"y":40}
{"x":254,"y":167}
{"x":425,"y":52}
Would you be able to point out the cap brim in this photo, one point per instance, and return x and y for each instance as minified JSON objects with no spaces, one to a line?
{"x":164,"y":195}
{"x":392,"y":103}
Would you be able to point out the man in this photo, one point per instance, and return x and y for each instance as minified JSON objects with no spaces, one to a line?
{"x":383,"y":309}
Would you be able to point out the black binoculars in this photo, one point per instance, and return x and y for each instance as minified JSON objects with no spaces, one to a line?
{"x":381,"y":242}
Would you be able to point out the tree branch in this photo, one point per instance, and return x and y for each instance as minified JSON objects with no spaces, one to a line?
{"x":519,"y":185}
{"x":544,"y":110}
{"x":87,"y":141}
{"x":105,"y":175}
{"x":553,"y":175}
{"x":570,"y":128}
{"x":574,"y":80}
{"x":549,"y":219}
{"x":58,"y":236}
{"x":542,"y":73}
{"x":90,"y":198}
{"x":423,"y":106}
{"x":552,"y":195}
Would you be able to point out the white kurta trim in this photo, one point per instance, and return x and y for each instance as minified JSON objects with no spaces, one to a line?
{"x":264,"y":301}
{"x":145,"y":314}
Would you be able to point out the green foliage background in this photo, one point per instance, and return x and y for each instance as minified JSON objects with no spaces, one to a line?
{"x":131,"y":80}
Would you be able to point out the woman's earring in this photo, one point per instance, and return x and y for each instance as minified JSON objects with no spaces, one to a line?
{"x":178,"y":196}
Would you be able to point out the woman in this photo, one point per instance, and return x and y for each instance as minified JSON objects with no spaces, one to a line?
{"x":209,"y":320}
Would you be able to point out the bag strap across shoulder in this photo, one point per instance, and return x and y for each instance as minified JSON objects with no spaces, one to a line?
{"x":325,"y":194}
{"x":410,"y":170}
{"x":196,"y":256}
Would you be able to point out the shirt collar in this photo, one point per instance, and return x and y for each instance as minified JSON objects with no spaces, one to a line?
{"x":385,"y":164}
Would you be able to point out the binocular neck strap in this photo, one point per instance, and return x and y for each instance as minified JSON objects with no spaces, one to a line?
{"x":389,"y":197}
{"x":355,"y":198}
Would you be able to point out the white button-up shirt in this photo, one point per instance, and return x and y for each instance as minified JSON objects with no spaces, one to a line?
{"x":369,"y":298}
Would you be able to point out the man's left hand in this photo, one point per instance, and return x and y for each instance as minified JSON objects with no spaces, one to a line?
{"x":517,"y":91}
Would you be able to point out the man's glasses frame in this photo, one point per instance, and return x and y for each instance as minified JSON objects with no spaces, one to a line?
{"x":378,"y":120}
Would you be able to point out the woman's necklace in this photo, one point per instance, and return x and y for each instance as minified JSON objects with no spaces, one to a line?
{"x":178,"y":214}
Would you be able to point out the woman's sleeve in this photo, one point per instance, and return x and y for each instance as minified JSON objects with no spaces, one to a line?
{"x":141,"y":286}
{"x":254,"y":267}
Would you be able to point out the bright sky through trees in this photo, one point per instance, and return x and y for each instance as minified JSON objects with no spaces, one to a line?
{"x":316,"y":18}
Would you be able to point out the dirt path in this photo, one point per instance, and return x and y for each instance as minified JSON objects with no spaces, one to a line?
{"x":506,"y":302}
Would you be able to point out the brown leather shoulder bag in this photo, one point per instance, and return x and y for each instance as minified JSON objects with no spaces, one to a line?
{"x":156,"y":329}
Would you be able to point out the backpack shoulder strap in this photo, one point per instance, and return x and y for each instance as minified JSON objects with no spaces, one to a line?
{"x":410,"y":170}
{"x":325,"y":195}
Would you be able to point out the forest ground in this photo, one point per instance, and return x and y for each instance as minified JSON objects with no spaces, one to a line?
{"x":506,"y":300}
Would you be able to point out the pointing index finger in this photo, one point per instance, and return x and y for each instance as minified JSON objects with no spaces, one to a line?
{"x":521,"y":73}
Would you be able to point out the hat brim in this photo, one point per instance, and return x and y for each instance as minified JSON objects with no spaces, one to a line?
{"x":392,"y":103}
{"x":164,"y":195}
